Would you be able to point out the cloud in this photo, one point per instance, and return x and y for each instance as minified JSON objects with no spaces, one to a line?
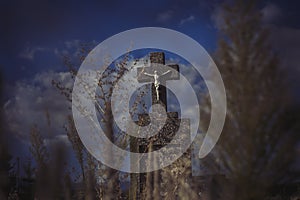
{"x":29,"y":100}
{"x":165,"y":17}
{"x":6,"y":104}
{"x":37,"y":101}
{"x":30,"y":52}
{"x":217,"y":17}
{"x":186,"y":20}
{"x":58,"y":140}
{"x":71,"y":48}
{"x":72,"y":44}
{"x":286,"y":41}
{"x":74,"y":49}
{"x":271,"y":13}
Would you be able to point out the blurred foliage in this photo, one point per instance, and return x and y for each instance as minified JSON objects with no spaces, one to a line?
{"x":258,"y":145}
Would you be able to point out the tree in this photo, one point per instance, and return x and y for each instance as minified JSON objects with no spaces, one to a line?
{"x":28,"y":169}
{"x":50,"y":166}
{"x":38,"y":148}
{"x":5,"y":158}
{"x":95,"y":177}
{"x":257,"y":146}
{"x":28,"y":188}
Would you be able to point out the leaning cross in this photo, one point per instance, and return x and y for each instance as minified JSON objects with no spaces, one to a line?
{"x":158,"y":74}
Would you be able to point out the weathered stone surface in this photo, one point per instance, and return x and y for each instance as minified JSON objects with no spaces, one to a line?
{"x":157,"y":57}
{"x":166,"y":135}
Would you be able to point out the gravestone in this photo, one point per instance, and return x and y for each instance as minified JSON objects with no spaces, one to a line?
{"x":158,"y":75}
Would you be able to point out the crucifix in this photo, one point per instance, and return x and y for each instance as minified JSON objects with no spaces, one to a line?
{"x":156,"y":81}
{"x":157,"y":73}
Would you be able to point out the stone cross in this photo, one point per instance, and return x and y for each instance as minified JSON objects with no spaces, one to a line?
{"x":157,"y":73}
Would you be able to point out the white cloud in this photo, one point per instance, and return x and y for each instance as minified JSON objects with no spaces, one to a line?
{"x":72,"y":44}
{"x":74,"y":48}
{"x":30,"y":52}
{"x":32,"y":100}
{"x":271,"y":12}
{"x":186,"y":20}
{"x":58,"y":140}
{"x":217,"y":17}
{"x":6,"y":104}
{"x":165,"y":17}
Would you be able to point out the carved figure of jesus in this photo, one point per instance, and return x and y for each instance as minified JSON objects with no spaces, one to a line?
{"x":156,"y":81}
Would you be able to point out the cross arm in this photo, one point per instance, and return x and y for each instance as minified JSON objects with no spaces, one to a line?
{"x":148,"y":74}
{"x":145,"y":74}
{"x":166,"y":72}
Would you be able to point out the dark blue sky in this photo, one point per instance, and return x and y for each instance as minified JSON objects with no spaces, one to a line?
{"x":35,"y":32}
{"x":48,"y":24}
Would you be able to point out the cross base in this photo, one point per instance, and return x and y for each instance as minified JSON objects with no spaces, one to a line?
{"x":143,"y":181}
